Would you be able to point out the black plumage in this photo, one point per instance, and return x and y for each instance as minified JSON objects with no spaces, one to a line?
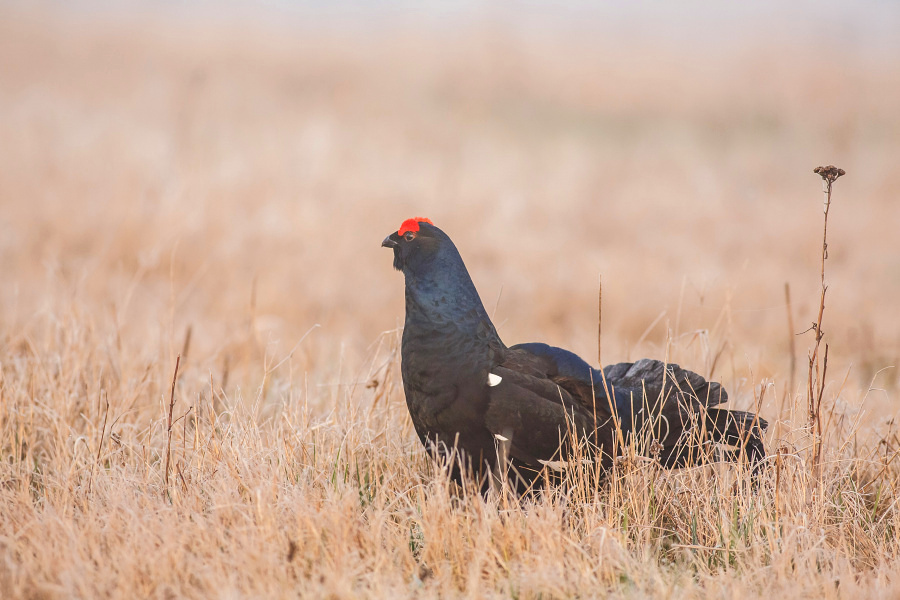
{"x":518,"y":409}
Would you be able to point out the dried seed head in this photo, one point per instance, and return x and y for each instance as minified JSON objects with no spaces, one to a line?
{"x":829,"y":173}
{"x":655,"y":449}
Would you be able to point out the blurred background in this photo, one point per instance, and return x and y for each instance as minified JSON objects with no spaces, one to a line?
{"x":220,"y":176}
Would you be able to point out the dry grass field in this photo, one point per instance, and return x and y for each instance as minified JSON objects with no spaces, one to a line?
{"x":220,"y":191}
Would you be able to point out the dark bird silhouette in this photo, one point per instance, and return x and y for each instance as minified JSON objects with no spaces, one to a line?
{"x":523,"y":409}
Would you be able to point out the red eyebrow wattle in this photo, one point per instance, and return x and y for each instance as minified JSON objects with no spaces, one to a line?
{"x":412,"y":225}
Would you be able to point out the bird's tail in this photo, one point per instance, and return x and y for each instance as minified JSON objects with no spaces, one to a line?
{"x":677,"y":412}
{"x":737,"y":432}
{"x":741,"y":431}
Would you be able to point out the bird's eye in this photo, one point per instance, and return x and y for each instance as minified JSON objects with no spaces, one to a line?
{"x":410,"y":236}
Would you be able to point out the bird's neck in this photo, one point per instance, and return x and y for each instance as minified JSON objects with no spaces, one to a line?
{"x":443,"y":299}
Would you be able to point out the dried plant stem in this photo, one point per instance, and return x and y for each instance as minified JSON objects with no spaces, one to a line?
{"x":186,"y":345}
{"x":169,"y":421}
{"x":778,"y":481}
{"x":100,"y":445}
{"x":791,"y":345}
{"x":817,"y":368}
{"x":792,"y":350}
{"x":599,"y":319}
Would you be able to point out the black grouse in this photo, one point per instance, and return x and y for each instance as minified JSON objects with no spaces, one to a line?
{"x":519,"y":409}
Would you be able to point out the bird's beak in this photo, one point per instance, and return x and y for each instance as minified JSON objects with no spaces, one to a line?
{"x":389,"y":242}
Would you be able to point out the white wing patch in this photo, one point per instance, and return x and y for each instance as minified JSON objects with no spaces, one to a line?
{"x":562,"y":465}
{"x":554,"y":465}
{"x":494,"y":380}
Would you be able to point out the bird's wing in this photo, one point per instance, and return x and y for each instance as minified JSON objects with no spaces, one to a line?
{"x":573,"y":373}
{"x":559,"y":361}
{"x":535,"y":417}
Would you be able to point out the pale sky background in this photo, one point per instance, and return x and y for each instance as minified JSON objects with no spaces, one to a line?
{"x":864,"y":23}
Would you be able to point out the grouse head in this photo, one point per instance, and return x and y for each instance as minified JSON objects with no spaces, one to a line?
{"x":415,"y":244}
{"x":438,"y":286}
